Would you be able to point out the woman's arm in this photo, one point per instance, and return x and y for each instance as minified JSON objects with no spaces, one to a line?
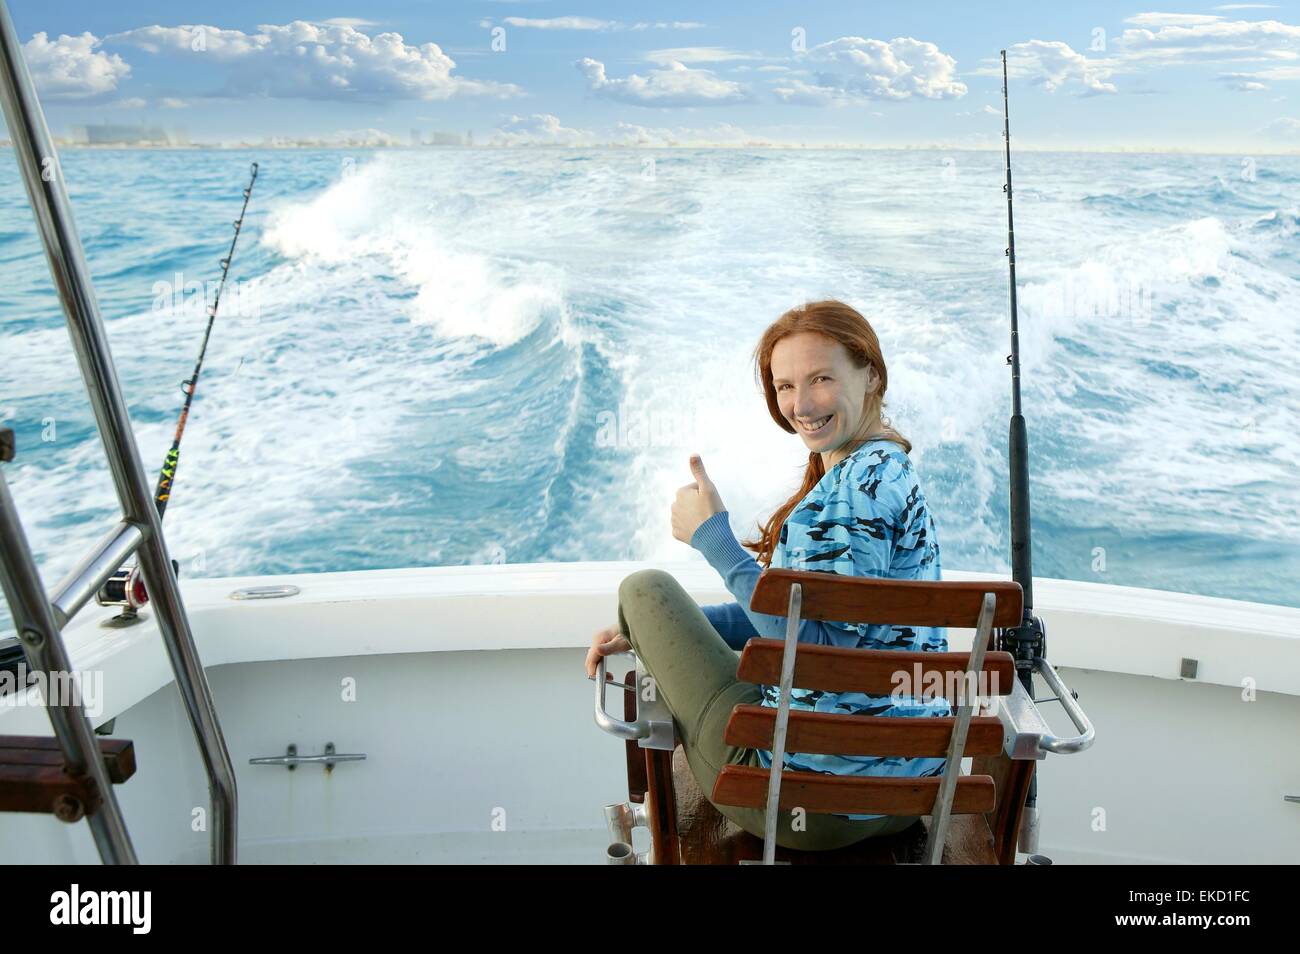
{"x":732,"y":624}
{"x":740,"y":572}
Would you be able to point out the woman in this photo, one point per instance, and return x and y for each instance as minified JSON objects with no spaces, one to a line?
{"x":859,"y":512}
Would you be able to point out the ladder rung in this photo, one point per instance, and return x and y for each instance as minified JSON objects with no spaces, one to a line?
{"x":82,"y":583}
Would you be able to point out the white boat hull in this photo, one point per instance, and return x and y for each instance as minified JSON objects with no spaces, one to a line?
{"x":464,"y":689}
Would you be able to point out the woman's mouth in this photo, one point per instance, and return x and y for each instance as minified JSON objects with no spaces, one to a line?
{"x":817,"y":426}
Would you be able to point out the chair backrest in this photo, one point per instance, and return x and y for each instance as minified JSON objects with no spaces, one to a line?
{"x":874,"y":672}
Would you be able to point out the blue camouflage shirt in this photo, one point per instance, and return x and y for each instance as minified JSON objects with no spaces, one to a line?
{"x":867,"y":516}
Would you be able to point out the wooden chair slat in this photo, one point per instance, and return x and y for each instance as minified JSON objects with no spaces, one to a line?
{"x":858,"y":599}
{"x":707,"y":837}
{"x":35,"y":788}
{"x":745,"y":786}
{"x":874,"y":672}
{"x":832,"y":733}
{"x":41,"y":750}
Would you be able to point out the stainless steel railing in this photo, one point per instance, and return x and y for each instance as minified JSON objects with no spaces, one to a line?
{"x":38,"y":622}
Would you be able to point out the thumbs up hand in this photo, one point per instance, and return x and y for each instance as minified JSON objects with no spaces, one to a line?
{"x":695,"y":503}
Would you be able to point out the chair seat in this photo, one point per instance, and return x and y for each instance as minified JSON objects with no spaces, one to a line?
{"x":707,"y":837}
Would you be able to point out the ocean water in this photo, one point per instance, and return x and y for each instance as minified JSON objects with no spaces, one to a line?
{"x":443,"y":357}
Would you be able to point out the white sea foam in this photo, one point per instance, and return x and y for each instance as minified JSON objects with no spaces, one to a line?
{"x":440,"y":334}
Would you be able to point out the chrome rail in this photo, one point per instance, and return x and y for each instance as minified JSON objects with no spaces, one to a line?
{"x":47,"y":193}
{"x":1049,"y":742}
{"x":788,"y":654}
{"x":45,"y":652}
{"x":653,"y":727}
{"x":968,"y":699}
{"x":1026,"y":734}
{"x":79,"y":587}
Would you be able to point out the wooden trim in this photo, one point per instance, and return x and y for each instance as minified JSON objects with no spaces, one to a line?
{"x":746,"y":787}
{"x":119,"y":754}
{"x":661,"y":808}
{"x":752,"y":727}
{"x":876,"y":672}
{"x":864,"y":599}
{"x":34,"y":777}
{"x":633,"y":753}
{"x":1012,"y":778}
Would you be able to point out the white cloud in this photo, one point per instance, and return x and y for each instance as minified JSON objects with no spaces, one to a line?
{"x":676,"y":85}
{"x":171,"y":102}
{"x":1160,"y":40}
{"x":1220,"y":40}
{"x":852,"y":69}
{"x":563,"y":23}
{"x":697,"y":54}
{"x":349,"y":21}
{"x":1284,"y":128}
{"x":319,"y":61}
{"x":73,"y":67}
{"x":673,"y":25}
{"x":539,"y":129}
{"x":1242,"y":82}
{"x":1171,"y":19}
{"x":130,"y":102}
{"x":1274,"y":73}
{"x":589,"y":23}
{"x":1055,"y":65}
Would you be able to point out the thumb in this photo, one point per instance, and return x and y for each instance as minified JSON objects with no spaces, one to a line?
{"x":697,"y":470}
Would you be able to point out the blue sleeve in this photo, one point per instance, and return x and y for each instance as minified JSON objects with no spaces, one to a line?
{"x":853,"y":528}
{"x":732,"y":624}
{"x":740,"y":572}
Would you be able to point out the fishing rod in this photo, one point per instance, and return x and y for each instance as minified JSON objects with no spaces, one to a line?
{"x":126,"y":588}
{"x":1026,"y":642}
{"x":162,"y":493}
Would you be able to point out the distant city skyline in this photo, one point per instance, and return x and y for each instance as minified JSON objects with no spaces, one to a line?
{"x":1113,"y":76}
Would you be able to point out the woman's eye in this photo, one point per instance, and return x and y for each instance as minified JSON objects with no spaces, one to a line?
{"x":820,"y":377}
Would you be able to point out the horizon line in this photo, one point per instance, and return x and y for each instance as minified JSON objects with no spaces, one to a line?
{"x":844,"y":147}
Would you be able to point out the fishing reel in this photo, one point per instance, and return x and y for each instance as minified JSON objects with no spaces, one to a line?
{"x":1027,"y":642}
{"x":126,"y":588}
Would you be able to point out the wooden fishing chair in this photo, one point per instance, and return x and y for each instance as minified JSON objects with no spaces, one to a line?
{"x":964,"y":819}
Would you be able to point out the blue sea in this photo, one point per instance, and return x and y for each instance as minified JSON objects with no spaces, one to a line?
{"x":443,"y":357}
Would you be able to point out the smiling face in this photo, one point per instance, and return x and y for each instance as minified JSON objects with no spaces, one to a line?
{"x":817,"y":384}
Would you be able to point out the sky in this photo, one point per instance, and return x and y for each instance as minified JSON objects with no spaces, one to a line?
{"x":1102,"y":75}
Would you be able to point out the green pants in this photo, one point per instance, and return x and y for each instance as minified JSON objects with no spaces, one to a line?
{"x":695,"y":676}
